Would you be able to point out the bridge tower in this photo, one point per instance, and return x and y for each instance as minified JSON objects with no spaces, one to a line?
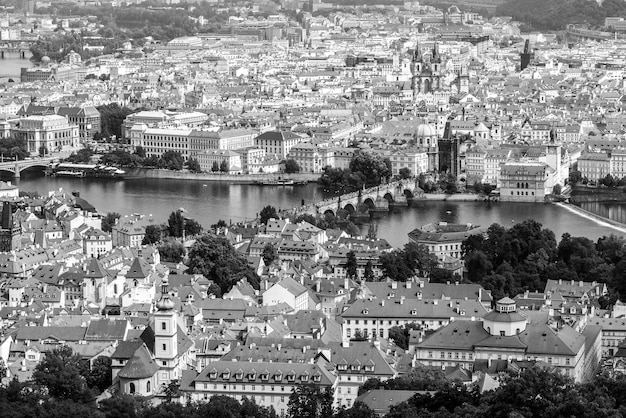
{"x":9,"y":230}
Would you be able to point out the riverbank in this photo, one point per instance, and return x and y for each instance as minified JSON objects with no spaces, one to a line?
{"x":600,"y":220}
{"x":582,"y":194}
{"x":457,"y":197}
{"x":149,"y":173}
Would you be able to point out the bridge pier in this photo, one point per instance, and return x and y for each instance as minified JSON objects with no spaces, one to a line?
{"x":23,"y":54}
{"x":2,"y":53}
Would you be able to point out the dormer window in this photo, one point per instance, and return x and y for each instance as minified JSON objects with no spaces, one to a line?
{"x":317,"y":378}
{"x":304,"y":378}
{"x":365,"y":312}
{"x":413,"y":312}
{"x":369,"y":368}
{"x":226,"y":375}
{"x":291,"y":377}
{"x":265,"y":376}
{"x":278,"y":376}
{"x":251,"y":376}
{"x":213,"y":374}
{"x":239,"y":375}
{"x":342,"y":367}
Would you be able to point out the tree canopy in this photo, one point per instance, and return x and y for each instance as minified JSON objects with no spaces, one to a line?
{"x":217,"y":260}
{"x":366,"y":169}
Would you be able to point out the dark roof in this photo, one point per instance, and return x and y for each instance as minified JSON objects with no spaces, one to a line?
{"x":107,"y":329}
{"x":95,"y":269}
{"x":138,"y":270}
{"x":126,"y":349}
{"x":140,"y":366}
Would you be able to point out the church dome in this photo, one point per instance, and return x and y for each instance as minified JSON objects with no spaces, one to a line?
{"x":425,"y":130}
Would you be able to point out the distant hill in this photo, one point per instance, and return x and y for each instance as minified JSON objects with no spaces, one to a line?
{"x":557,"y":14}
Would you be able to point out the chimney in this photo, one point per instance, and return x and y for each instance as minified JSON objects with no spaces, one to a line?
{"x":346,"y":283}
{"x":394,"y":285}
{"x":408,"y":285}
{"x":382,"y":303}
{"x":318,"y":286}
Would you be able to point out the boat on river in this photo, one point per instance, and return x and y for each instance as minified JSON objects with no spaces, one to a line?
{"x":84,"y":170}
{"x":279,"y":182}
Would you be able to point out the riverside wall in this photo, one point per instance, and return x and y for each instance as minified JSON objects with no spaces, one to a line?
{"x":227,"y":178}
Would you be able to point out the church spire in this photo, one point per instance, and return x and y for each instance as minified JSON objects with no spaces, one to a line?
{"x":436,"y":56}
{"x":417,"y":55}
{"x":165,"y":303}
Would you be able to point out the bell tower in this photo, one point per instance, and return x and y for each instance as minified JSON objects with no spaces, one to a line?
{"x":165,"y":336}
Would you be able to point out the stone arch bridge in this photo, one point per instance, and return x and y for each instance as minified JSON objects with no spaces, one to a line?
{"x":366,"y":201}
{"x":16,"y":167}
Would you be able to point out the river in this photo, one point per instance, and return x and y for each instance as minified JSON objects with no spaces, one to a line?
{"x":208,"y":202}
{"x":11,"y":65}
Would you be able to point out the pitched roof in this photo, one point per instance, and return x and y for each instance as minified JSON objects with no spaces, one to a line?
{"x":107,"y":329}
{"x":138,"y":270}
{"x":140,"y":366}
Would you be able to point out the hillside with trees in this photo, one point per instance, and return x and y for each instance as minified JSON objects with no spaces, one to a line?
{"x":510,"y":261}
{"x":557,"y":14}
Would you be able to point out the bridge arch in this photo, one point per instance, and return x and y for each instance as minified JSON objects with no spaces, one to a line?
{"x":408,"y":193}
{"x":350,"y":208}
{"x":389,"y":197}
{"x":328,"y":211}
{"x":369,"y":202}
{"x":7,"y":169}
{"x":37,"y":165}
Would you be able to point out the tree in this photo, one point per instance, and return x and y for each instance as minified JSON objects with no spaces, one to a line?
{"x":100,"y":375}
{"x":224,"y":166}
{"x":171,"y":160}
{"x":140,"y":151}
{"x":372,"y":231}
{"x":269,"y":254}
{"x":556,"y":190}
{"x":192,"y":227}
{"x":123,"y":406}
{"x":309,"y":401}
{"x":60,"y":373}
{"x":267,"y":213}
{"x":112,"y":118}
{"x":194,"y":166}
{"x":292,"y":166}
{"x":172,"y":390}
{"x":81,"y":156}
{"x":109,"y":221}
{"x":575,"y":177}
{"x":351,"y":265}
{"x":152,"y":235}
{"x":215,"y":167}
{"x":171,"y":251}
{"x":405,"y":173}
{"x":352,"y":229}
{"x":358,"y":410}
{"x":217,"y":260}
{"x":401,"y":335}
{"x":43,"y":151}
{"x":176,"y":224}
{"x":369,"y":271}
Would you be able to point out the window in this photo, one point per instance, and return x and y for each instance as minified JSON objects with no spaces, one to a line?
{"x":164,"y":347}
{"x":163,"y":326}
{"x":148,"y":387}
{"x":502,"y":333}
{"x":132,"y":388}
